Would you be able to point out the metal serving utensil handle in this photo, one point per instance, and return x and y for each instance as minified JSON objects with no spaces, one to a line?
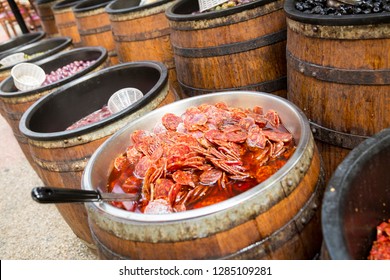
{"x":61,"y":195}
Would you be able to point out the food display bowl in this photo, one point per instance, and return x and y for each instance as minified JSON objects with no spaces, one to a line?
{"x":249,"y":225}
{"x":357,"y":200}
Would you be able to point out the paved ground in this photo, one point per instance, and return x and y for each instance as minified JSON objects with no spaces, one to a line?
{"x":29,"y":230}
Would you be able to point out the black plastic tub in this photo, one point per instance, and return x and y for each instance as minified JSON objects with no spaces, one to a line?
{"x":48,"y":47}
{"x":14,"y":103}
{"x":20,"y":41}
{"x":357,"y":200}
{"x":59,"y":154}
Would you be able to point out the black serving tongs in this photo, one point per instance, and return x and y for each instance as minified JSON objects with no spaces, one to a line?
{"x":63,"y":195}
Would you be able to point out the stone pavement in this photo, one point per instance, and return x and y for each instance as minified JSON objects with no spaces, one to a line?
{"x":29,"y":230}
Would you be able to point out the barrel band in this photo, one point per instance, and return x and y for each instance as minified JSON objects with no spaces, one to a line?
{"x":336,"y":138}
{"x":338,"y":75}
{"x":310,"y":212}
{"x":232,"y":48}
{"x":268,"y":86}
{"x":66,"y":24}
{"x":142,"y":36}
{"x":74,"y":165}
{"x":94,"y":31}
{"x":350,"y":32}
{"x":230,"y":19}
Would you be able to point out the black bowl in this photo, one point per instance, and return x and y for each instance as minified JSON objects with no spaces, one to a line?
{"x":17,"y":42}
{"x":49,"y":47}
{"x":52,"y":63}
{"x":49,"y":117}
{"x":357,"y":199}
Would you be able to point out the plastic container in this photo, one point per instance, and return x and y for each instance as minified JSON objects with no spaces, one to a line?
{"x":123,"y":98}
{"x":28,"y":76}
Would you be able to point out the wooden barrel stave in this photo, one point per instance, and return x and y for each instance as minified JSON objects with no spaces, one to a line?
{"x":46,"y":15}
{"x":66,"y":21}
{"x":355,"y":83}
{"x":94,"y":26}
{"x":147,"y":39}
{"x":209,"y":53}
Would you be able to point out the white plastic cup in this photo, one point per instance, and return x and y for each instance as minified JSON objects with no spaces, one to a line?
{"x":123,"y":98}
{"x":12,"y":59}
{"x":27,"y":76}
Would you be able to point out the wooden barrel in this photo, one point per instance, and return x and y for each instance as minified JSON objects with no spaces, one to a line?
{"x":66,"y":20}
{"x":357,"y":200}
{"x":60,"y":154}
{"x":339,"y":75}
{"x":15,"y":102}
{"x":93,"y":24}
{"x":240,"y":48}
{"x":148,"y":38}
{"x":45,"y":12}
{"x":10,"y":46}
{"x":277,"y":219}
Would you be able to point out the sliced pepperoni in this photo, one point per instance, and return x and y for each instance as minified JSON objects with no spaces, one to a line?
{"x":142,"y":167}
{"x":171,"y":121}
{"x":210,"y":177}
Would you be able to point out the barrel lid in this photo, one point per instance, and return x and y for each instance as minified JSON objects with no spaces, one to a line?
{"x":89,"y":5}
{"x":333,"y":20}
{"x":80,"y":84}
{"x":336,"y":198}
{"x":186,"y":10}
{"x":118,"y":7}
{"x":65,"y":4}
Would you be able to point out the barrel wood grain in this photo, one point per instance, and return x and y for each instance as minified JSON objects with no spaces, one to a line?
{"x":46,"y":15}
{"x":344,"y":93}
{"x":94,"y":27}
{"x":244,"y":50}
{"x":66,"y":22}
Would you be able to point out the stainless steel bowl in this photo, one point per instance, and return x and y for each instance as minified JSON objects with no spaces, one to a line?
{"x":101,"y":163}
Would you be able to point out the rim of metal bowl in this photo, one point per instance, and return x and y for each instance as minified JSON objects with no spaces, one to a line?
{"x":214,"y":208}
